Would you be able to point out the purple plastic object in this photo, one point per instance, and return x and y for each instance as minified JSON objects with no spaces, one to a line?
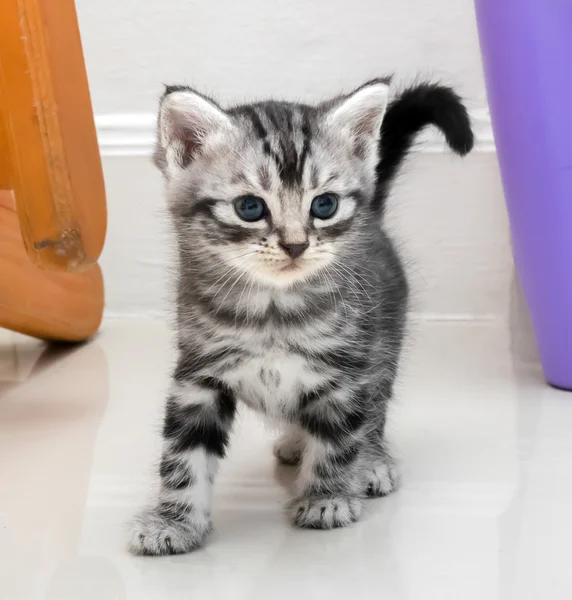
{"x":527,"y":55}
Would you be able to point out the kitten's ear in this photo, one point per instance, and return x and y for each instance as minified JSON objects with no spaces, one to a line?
{"x":360,"y":113}
{"x":186,"y":119}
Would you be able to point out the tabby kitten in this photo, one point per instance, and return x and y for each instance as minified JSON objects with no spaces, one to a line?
{"x":291,"y":296}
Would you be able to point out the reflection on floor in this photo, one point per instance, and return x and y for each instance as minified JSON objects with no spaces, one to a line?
{"x":483,"y":513}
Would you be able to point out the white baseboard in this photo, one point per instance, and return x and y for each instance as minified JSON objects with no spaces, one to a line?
{"x":133,"y":134}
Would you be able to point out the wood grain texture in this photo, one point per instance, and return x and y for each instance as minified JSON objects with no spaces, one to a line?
{"x":41,"y":303}
{"x":48,"y":147}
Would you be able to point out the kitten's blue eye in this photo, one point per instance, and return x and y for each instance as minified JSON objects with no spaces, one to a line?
{"x":250,"y":208}
{"x":324,"y":206}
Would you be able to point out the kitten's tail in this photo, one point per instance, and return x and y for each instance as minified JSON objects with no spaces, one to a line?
{"x":407,"y":114}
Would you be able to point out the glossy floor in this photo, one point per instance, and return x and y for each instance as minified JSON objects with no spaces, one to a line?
{"x":484,"y":512}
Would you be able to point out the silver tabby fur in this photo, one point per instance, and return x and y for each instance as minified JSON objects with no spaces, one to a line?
{"x":312,"y":342}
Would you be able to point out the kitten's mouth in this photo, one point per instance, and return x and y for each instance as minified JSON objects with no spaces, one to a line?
{"x":290,"y":267}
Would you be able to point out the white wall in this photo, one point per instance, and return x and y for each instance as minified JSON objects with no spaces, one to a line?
{"x":299,"y":49}
{"x":448,"y":214}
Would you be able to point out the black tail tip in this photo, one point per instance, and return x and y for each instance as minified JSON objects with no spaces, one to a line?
{"x":453,"y":119}
{"x":460,"y":137}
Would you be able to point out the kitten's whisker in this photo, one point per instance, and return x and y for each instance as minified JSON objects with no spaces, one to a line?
{"x":352,"y":275}
{"x":345,"y":279}
{"x":228,"y":271}
{"x":231,"y":270}
{"x":250,"y":278}
{"x":228,"y":293}
{"x":334,"y":290}
{"x":342,"y":300}
{"x":235,"y":273}
{"x":249,"y":296}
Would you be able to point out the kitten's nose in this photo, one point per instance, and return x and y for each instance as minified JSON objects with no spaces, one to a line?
{"x":294,"y":250}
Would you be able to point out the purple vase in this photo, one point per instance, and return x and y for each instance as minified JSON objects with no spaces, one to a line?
{"x":527,"y":55}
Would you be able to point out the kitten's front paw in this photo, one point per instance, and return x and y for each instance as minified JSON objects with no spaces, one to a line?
{"x":382,"y":479}
{"x":155,"y":532}
{"x":325,"y":512}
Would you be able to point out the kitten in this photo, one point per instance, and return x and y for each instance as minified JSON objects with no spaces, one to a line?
{"x":291,"y":296}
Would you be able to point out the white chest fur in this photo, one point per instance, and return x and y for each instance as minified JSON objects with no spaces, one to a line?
{"x":271,"y":382}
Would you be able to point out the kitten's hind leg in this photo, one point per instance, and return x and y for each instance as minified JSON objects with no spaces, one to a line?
{"x":381,"y":471}
{"x":381,"y":477}
{"x":198,"y":419}
{"x":289,"y":447}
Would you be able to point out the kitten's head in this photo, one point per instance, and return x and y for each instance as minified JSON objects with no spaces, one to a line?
{"x":275,"y":190}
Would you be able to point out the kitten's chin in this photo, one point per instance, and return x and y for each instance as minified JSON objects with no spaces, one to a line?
{"x":289,"y":274}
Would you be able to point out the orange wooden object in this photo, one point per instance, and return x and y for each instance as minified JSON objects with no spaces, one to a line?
{"x":52,"y":199}
{"x":48,"y":148}
{"x":45,"y":304}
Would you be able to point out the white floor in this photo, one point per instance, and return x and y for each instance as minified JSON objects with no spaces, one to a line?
{"x":484,"y":513}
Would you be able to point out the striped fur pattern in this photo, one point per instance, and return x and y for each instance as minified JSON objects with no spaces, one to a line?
{"x":312,"y":341}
